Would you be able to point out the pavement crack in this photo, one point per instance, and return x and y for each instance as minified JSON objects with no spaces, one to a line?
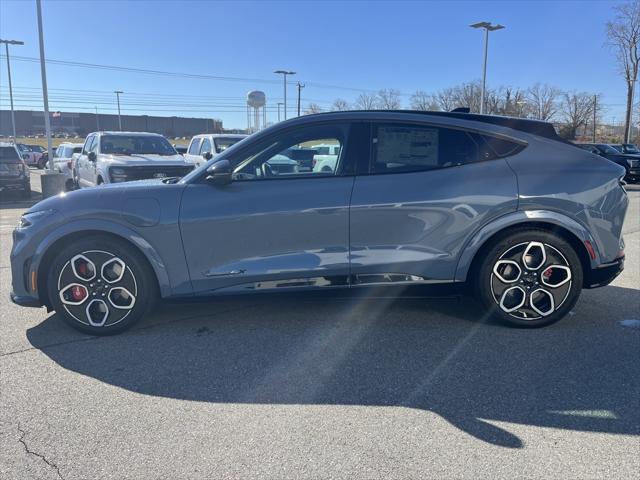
{"x":36,"y":454}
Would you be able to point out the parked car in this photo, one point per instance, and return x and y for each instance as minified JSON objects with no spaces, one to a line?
{"x":630,"y":163}
{"x":14,"y":171}
{"x":31,"y":156}
{"x":303,"y":155}
{"x":206,"y":146}
{"x":498,"y":206}
{"x":181,"y":149}
{"x":326,"y":158}
{"x":115,"y":157}
{"x":627,"y":148}
{"x":63,"y":162}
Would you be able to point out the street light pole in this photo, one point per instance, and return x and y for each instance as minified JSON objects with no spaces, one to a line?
{"x":118,"y":92}
{"x":488,"y":27}
{"x":279,"y":103}
{"x":300,"y":87}
{"x":6,"y":46}
{"x":284,"y":74}
{"x":45,"y":92}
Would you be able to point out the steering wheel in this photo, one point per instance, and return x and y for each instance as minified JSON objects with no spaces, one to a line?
{"x":266,"y":170}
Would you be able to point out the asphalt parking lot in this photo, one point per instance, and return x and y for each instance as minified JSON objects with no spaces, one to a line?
{"x":308,"y":388}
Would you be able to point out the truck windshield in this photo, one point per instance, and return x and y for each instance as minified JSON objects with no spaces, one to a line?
{"x":223,"y":143}
{"x":135,"y":145}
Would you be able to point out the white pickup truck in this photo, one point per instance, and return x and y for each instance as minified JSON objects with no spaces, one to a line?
{"x":112,"y":157}
{"x":205,"y":146}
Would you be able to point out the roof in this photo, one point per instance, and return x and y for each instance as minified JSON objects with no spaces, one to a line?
{"x":126,"y":133}
{"x":222,"y":135}
{"x":534,"y":127}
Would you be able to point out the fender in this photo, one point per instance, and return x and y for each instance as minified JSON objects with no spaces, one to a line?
{"x":521,"y":217}
{"x":114,"y":228}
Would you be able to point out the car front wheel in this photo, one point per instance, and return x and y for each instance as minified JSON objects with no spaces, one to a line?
{"x":101,"y":285}
{"x":529,"y":278}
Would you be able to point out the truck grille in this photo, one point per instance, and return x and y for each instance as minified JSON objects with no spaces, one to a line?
{"x":155,"y":171}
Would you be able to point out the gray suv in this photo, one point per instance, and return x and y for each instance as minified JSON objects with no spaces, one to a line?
{"x":496,"y":206}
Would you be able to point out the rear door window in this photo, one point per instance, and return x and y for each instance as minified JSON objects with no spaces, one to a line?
{"x":8,"y":153}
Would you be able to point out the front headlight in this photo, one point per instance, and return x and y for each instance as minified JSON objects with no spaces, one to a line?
{"x":118,"y":174}
{"x":29,"y":219}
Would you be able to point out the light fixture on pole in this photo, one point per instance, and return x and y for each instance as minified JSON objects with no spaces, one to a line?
{"x":118,"y":92}
{"x":488,"y":27}
{"x":284,"y":74}
{"x":6,"y":46}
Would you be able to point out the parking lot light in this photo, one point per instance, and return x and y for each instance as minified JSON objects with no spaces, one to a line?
{"x":118,"y":92}
{"x":488,"y":27}
{"x":6,"y":46}
{"x":284,"y":74}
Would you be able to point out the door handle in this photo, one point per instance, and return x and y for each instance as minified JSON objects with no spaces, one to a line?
{"x":223,"y":274}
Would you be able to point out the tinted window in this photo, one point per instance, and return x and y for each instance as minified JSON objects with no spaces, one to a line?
{"x":502,"y":148}
{"x":77,"y":149}
{"x":291,"y":154}
{"x":194,"y":148}
{"x":8,"y":153}
{"x":135,"y":145}
{"x":206,"y":146}
{"x":88,"y":143}
{"x":405,"y":148}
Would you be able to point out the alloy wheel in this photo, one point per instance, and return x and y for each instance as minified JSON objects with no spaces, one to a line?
{"x":97,"y":288}
{"x":531,"y":280}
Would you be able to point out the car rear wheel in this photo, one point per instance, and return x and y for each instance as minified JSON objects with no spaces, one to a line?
{"x":101,"y":286}
{"x":529,"y":278}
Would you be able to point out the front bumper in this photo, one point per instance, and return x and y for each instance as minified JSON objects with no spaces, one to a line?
{"x":604,"y":274}
{"x":25,"y":300}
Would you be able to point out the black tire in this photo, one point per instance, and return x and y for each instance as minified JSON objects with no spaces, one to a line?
{"x":41,"y":163}
{"x":544,"y":303}
{"x":26,"y":191}
{"x":108,"y":302}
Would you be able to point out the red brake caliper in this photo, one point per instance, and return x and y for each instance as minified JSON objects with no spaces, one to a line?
{"x":78,"y":293}
{"x":547,"y":273}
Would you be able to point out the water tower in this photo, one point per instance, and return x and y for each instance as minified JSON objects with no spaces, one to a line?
{"x":256,"y":111}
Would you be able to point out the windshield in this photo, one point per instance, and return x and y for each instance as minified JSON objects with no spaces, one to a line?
{"x":608,"y":150}
{"x":135,"y":145}
{"x":8,"y":153}
{"x":631,"y":148}
{"x":222,"y":143}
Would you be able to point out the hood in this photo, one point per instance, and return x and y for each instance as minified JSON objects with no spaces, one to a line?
{"x":146,"y":159}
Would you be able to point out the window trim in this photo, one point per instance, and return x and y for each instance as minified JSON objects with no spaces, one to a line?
{"x":194,"y":139}
{"x":376,"y":123}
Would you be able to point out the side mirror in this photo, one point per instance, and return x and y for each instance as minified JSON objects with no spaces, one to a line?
{"x":207,"y":156}
{"x":219,"y":173}
{"x":92,"y":156}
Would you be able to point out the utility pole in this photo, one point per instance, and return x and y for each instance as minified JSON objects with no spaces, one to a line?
{"x":300,"y":87}
{"x":279,"y":103}
{"x":45,"y":92}
{"x":97,"y":119}
{"x":6,"y":46}
{"x":488,"y":27}
{"x":284,"y":74}
{"x":118,"y":92}
{"x":595,"y":109}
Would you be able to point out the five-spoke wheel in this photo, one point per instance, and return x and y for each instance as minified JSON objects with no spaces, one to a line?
{"x":530,"y":277}
{"x":101,"y":286}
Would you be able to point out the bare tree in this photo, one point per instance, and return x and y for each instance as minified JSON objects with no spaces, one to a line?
{"x":367,"y":101}
{"x":312,"y":108}
{"x":389,"y":99}
{"x":624,"y":36}
{"x":339,"y":105}
{"x":421,"y":100}
{"x":446,"y":99}
{"x":542,"y":101}
{"x":576,"y":109}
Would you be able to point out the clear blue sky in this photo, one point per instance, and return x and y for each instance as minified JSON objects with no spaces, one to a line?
{"x":361,"y":45}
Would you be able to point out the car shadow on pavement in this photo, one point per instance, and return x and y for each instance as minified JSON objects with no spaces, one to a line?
{"x":436,"y":355}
